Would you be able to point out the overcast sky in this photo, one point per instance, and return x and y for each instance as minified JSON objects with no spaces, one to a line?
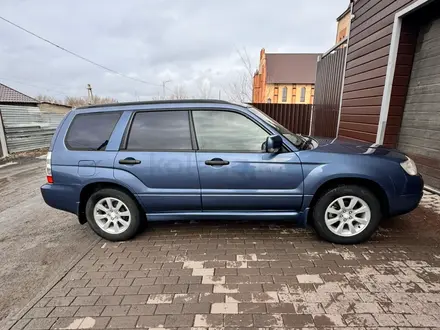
{"x":193,"y":43}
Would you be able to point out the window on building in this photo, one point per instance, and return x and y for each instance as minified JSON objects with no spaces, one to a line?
{"x":227,"y":131}
{"x":303,"y":94}
{"x":91,"y":131}
{"x":165,"y":130}
{"x":284,"y":99}
{"x":269,"y":100}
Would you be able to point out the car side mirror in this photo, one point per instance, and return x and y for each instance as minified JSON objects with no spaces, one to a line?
{"x":273,"y":143}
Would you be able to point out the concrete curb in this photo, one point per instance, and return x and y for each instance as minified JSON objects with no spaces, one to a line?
{"x":10,"y":322}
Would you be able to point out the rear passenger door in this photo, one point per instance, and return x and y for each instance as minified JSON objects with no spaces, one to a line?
{"x":158,"y":154}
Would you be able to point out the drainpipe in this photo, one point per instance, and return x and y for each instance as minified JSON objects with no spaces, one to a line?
{"x":345,"y":66}
{"x":3,"y":144}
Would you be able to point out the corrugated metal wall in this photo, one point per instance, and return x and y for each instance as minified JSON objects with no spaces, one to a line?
{"x":295,"y":117}
{"x":26,"y":128}
{"x":328,"y":89}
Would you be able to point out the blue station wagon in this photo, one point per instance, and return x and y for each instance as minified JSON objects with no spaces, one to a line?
{"x":116,"y":166}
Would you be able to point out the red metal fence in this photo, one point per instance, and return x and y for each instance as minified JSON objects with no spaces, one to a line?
{"x":295,"y":117}
{"x":328,"y":88}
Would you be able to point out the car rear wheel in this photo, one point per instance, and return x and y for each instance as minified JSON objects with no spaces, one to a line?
{"x":347,"y":214}
{"x":113,"y":214}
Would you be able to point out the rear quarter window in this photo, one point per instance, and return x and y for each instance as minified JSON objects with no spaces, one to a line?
{"x":91,"y":131}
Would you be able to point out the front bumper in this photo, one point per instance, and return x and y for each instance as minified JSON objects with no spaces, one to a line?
{"x":61,"y":197}
{"x":410,"y":199}
{"x":407,"y":203}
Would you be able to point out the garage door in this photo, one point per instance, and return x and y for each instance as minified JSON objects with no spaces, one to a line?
{"x":420,"y":130}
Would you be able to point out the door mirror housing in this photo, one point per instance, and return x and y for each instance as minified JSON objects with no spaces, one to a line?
{"x":273,"y":143}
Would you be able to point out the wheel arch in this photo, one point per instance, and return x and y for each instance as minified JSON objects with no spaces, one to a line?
{"x":92,"y":187}
{"x":371,"y":185}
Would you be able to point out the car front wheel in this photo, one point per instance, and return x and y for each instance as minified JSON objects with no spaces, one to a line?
{"x":113,"y":214}
{"x":347,"y":214}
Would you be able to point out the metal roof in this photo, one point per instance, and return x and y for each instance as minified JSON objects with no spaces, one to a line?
{"x":291,"y":68}
{"x":10,"y":95}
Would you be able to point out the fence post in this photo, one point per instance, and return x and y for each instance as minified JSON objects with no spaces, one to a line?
{"x":3,"y":145}
{"x":312,"y":109}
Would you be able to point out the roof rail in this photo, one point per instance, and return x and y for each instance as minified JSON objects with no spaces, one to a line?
{"x":152,"y":102}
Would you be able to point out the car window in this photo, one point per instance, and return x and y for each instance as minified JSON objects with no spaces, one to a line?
{"x":164,"y":130}
{"x":91,"y":131}
{"x":296,"y":140}
{"x":227,"y":131}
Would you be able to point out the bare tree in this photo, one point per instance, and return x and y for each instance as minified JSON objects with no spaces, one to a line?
{"x":240,"y":90}
{"x":179,"y":93}
{"x":82,"y":101}
{"x":204,"y":87}
{"x":47,"y":98}
{"x":76,"y":101}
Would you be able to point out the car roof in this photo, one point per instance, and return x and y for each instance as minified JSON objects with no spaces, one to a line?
{"x":159,"y":105}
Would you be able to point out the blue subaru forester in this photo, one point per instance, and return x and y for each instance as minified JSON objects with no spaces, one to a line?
{"x":118,"y":165}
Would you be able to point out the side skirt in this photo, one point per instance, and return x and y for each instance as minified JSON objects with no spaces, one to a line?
{"x":175,"y":216}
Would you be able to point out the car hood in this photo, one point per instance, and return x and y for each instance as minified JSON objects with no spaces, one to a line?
{"x":341,"y":146}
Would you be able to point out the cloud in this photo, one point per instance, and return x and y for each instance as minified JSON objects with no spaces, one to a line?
{"x":191,"y":42}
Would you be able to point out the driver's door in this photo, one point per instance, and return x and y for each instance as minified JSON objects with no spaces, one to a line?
{"x":235,"y":174}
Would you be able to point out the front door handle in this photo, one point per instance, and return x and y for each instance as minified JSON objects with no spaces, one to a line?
{"x":129,"y":161}
{"x":217,"y":162}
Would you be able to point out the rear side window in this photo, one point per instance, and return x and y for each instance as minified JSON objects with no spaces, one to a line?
{"x":91,"y":131}
{"x":165,"y":130}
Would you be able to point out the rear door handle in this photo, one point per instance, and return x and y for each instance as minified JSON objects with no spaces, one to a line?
{"x":129,"y":161}
{"x":217,"y":162}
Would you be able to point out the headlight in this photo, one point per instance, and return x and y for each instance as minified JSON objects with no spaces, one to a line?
{"x":409,"y":166}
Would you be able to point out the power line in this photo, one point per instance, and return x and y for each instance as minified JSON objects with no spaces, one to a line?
{"x":48,"y":86}
{"x":35,"y":86}
{"x":77,"y":55}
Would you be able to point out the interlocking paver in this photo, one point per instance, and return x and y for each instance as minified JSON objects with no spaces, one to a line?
{"x":224,"y":308}
{"x":115,"y":310}
{"x":109,"y":300}
{"x":142,"y":310}
{"x":241,"y":275}
{"x":85,"y":300}
{"x":41,"y":323}
{"x":89,"y":311}
{"x":37,"y":312}
{"x":208,"y":320}
{"x":64,"y":311}
{"x":179,"y":321}
{"x":122,"y":322}
{"x":268,"y":320}
{"x":328,"y":320}
{"x":423,"y":320}
{"x":169,"y":309}
{"x":238,"y":321}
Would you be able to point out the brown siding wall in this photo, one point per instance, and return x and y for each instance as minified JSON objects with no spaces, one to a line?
{"x":295,"y":117}
{"x":369,"y":46}
{"x":329,"y":75}
{"x":404,"y":62}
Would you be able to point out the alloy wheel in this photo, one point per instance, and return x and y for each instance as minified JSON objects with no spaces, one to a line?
{"x":347,"y":216}
{"x":112,"y":215}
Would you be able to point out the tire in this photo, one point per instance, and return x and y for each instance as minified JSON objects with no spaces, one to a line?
{"x":123,"y":225}
{"x":342,"y":227}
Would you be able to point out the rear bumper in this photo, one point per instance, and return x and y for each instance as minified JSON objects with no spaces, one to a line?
{"x":61,"y":197}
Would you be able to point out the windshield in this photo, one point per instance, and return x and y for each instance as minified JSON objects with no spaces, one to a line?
{"x":294,"y":138}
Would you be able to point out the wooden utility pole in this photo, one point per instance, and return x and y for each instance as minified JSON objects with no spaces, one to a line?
{"x":90,"y":93}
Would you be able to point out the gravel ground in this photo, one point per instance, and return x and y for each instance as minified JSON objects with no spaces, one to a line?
{"x":36,"y":241}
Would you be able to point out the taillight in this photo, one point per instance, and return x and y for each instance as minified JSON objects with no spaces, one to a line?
{"x":49,"y":167}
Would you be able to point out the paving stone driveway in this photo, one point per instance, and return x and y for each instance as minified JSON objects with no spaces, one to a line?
{"x":251,"y":275}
